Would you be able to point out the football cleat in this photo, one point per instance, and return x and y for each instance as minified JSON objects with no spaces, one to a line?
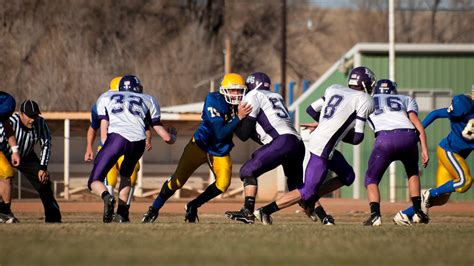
{"x":420,"y":218}
{"x":150,"y":216}
{"x":8,"y":218}
{"x":426,"y":201}
{"x":244,"y":215}
{"x":328,"y":220}
{"x":401,"y":219}
{"x":121,"y":218}
{"x":374,"y":220}
{"x":308,"y":210}
{"x":263,"y":217}
{"x":191,"y":214}
{"x":109,"y":204}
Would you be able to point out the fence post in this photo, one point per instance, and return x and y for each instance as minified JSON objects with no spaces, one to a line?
{"x":66,"y":157}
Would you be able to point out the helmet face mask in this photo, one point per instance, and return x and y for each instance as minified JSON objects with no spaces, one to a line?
{"x":130,"y":83}
{"x":362,"y":78}
{"x":385,"y":86}
{"x":232,"y":88}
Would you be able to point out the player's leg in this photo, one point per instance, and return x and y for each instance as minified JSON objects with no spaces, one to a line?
{"x":6,"y":176}
{"x":112,"y":149}
{"x":111,"y":179}
{"x":190,"y":160}
{"x":29,"y":167}
{"x":221,"y":167}
{"x":133,"y":153}
{"x":316,"y":172}
{"x":458,"y":180}
{"x":284,"y":150}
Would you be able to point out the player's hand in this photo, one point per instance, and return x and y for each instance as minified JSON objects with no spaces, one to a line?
{"x":173,"y":133}
{"x":15,"y":159}
{"x":425,"y":158}
{"x":89,"y":155}
{"x":243,"y":110}
{"x":148,"y":146}
{"x":43,"y":176}
{"x":310,"y":126}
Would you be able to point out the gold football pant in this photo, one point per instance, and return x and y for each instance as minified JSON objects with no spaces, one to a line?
{"x":192,"y":158}
{"x":452,"y":166}
{"x":6,"y":169}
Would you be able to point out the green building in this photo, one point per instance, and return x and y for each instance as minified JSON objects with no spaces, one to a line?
{"x":432,"y":73}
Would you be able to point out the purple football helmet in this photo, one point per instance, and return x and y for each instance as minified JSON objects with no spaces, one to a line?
{"x":362,"y":78}
{"x":385,"y":86}
{"x":130,"y":83}
{"x":258,"y":81}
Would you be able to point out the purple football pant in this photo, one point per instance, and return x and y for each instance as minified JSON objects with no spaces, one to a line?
{"x":317,"y":170}
{"x":114,"y":147}
{"x":390,"y":146}
{"x":286,"y":150}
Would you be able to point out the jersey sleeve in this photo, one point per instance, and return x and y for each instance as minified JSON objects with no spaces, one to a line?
{"x":460,"y":106}
{"x":155,"y":112}
{"x":252,"y":99}
{"x":95,"y":121}
{"x":215,"y":113}
{"x":412,"y":106}
{"x":318,"y":104}
{"x":101,"y":107}
{"x":364,"y":109}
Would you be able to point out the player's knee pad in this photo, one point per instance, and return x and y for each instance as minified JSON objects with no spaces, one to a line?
{"x":174,"y":184}
{"x":370,"y":180}
{"x":347,"y":179}
{"x":249,"y":181}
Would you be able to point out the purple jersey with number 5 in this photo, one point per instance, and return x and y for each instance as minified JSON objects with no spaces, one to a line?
{"x":340,"y":107}
{"x":126,"y":112}
{"x":271,"y":115}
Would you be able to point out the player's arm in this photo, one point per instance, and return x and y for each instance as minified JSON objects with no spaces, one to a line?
{"x":422,"y":135}
{"x":104,"y":125}
{"x":223,"y":129}
{"x":45,"y":141}
{"x":314,"y":110}
{"x":246,"y":128}
{"x":89,"y":155}
{"x":433,"y":115}
{"x":148,"y":133}
{"x":168,"y":135}
{"x":356,"y":135}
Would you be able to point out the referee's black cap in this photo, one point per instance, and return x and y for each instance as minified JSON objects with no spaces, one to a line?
{"x":30,"y":108}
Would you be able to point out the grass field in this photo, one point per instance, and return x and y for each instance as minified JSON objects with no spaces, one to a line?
{"x":292,"y":240}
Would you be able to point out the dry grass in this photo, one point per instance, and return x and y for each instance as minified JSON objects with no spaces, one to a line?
{"x":292,"y":240}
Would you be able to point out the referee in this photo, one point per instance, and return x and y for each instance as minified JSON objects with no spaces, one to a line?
{"x":30,"y":128}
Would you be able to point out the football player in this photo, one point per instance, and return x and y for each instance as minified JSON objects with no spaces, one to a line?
{"x":211,"y":144}
{"x":122,"y":215}
{"x":397,"y":133}
{"x":269,"y":124}
{"x":7,"y":107}
{"x":344,"y":111}
{"x":123,"y":114}
{"x":453,"y":173}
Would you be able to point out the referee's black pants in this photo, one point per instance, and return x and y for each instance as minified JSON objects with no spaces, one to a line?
{"x":29,"y":167}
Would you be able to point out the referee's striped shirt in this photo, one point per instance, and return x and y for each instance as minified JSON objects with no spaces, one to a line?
{"x":26,"y":139}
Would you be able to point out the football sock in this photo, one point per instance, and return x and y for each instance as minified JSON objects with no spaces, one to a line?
{"x":104,"y":194}
{"x":409,"y":212}
{"x":416,"y":203}
{"x":374,"y":208}
{"x":164,"y":195}
{"x":122,"y":207}
{"x":249,"y":203}
{"x":5,"y":207}
{"x":270,"y":208}
{"x":211,"y":192}
{"x":320,"y":212}
{"x":447,"y":187}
